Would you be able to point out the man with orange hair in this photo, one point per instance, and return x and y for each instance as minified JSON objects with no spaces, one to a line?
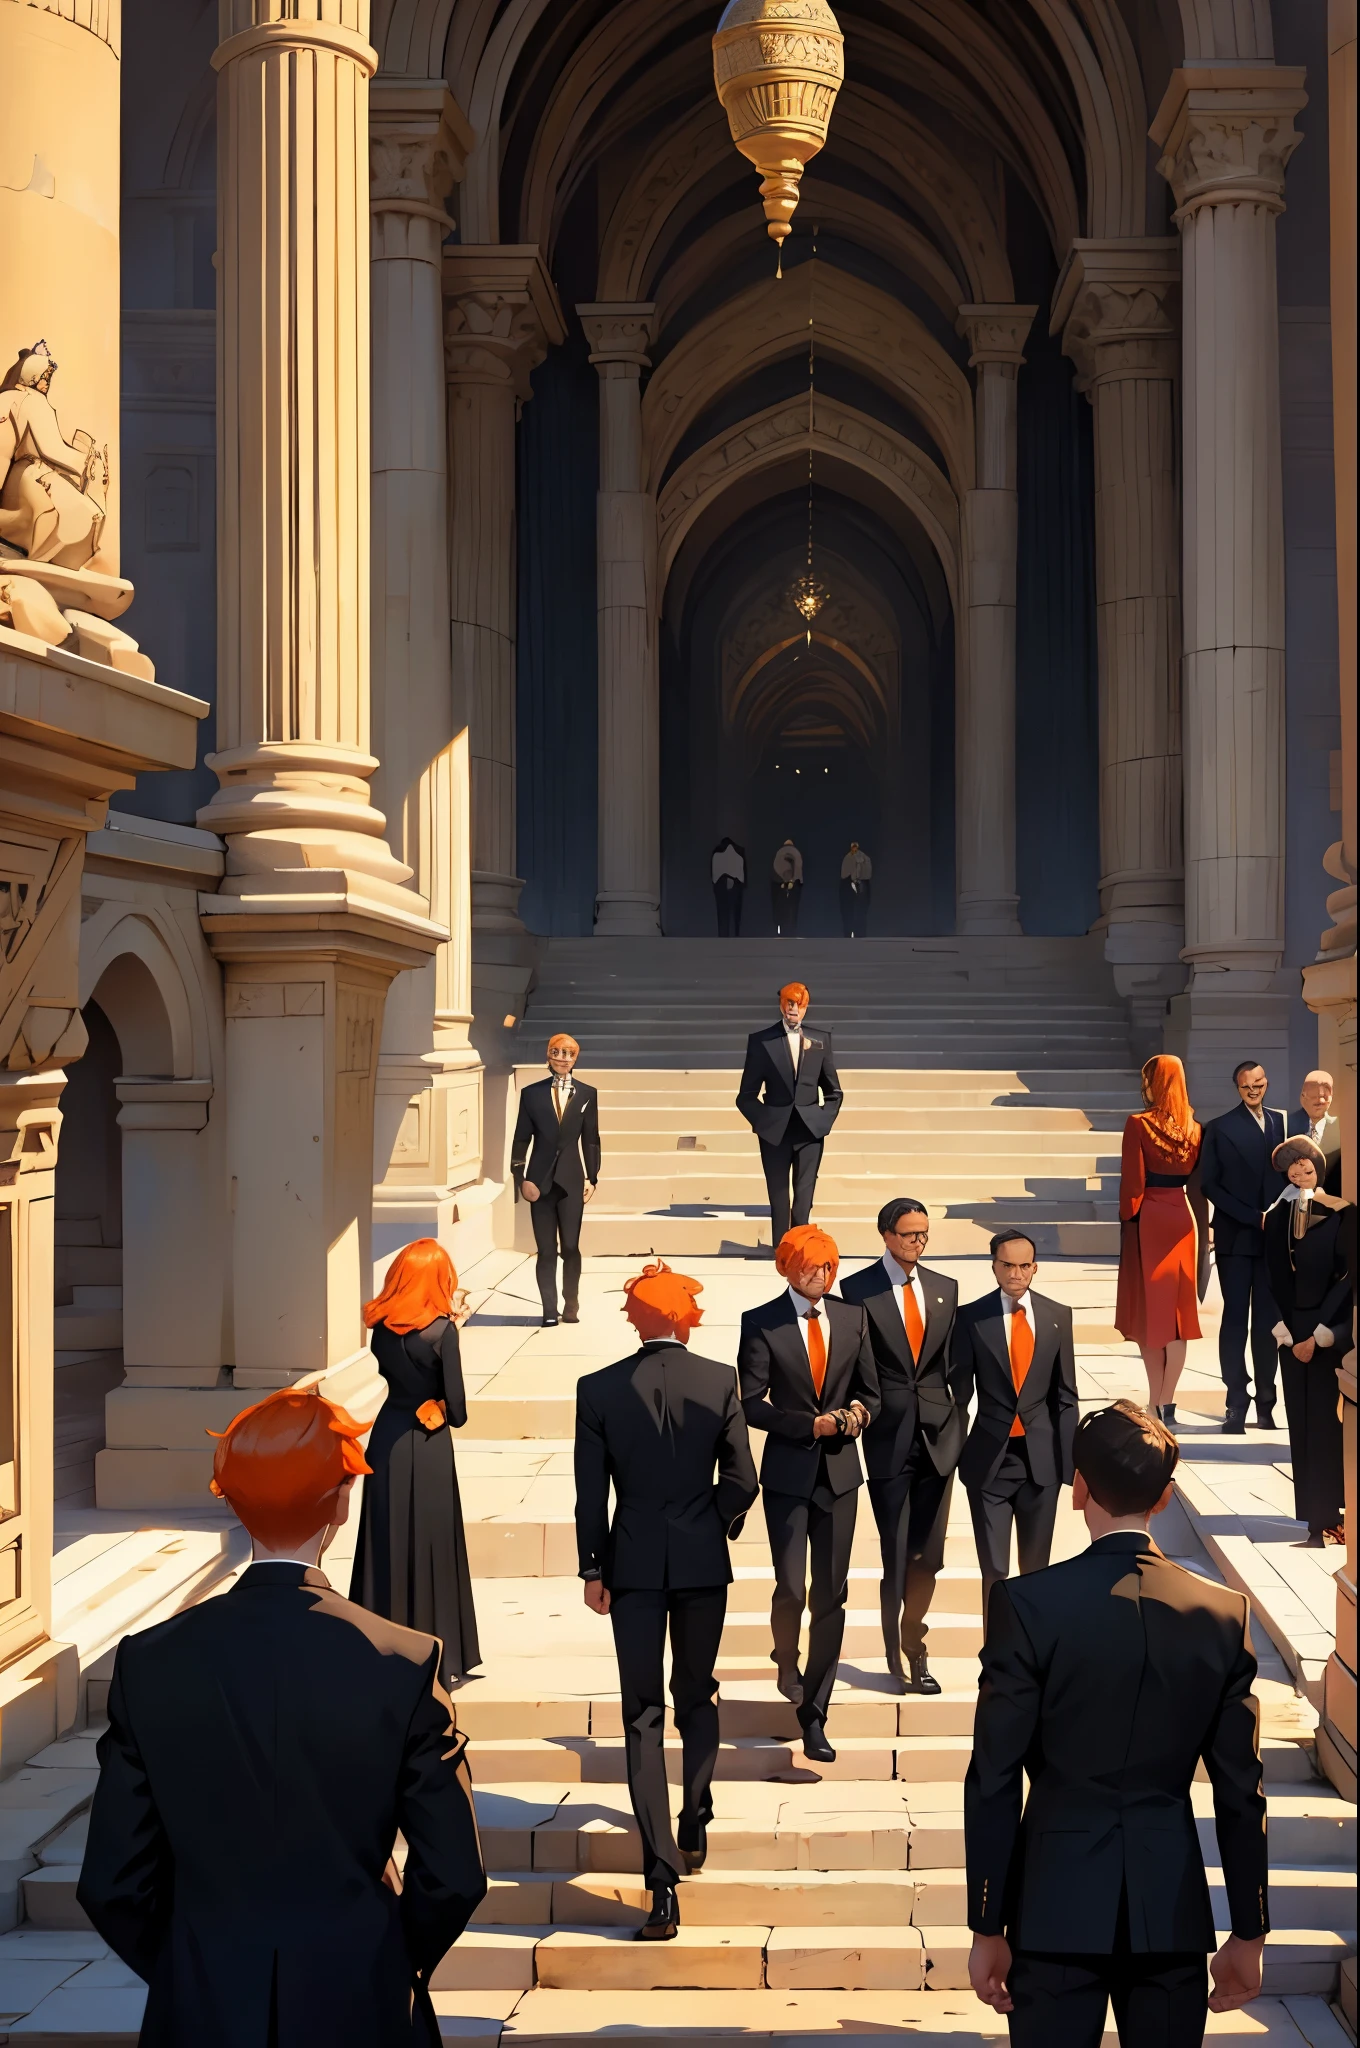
{"x":264,"y":1751}
{"x":790,"y":1095}
{"x":555,"y":1161}
{"x":808,"y":1379}
{"x":657,"y":1426}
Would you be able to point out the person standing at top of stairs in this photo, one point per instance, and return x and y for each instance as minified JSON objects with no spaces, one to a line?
{"x":790,"y":1095}
{"x":656,"y":1425}
{"x":786,"y":890}
{"x":555,"y":1161}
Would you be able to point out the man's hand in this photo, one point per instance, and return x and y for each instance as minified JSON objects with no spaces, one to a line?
{"x":989,"y":1965}
{"x":1304,"y":1349}
{"x":825,"y":1425}
{"x":597,"y":1596}
{"x":861,"y":1415}
{"x":589,"y":1191}
{"x":529,"y":1190}
{"x":1236,"y":1971}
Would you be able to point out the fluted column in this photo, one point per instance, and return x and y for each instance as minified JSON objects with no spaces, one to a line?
{"x":313,"y":919}
{"x":1116,"y":306}
{"x":985,"y":724}
{"x":1226,"y":135}
{"x":628,"y":894}
{"x":502,"y":316}
{"x":428,"y":1118}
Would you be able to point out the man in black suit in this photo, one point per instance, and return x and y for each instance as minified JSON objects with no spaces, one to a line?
{"x":1313,"y":1119}
{"x":555,"y":1160}
{"x":1237,"y":1177}
{"x":655,"y":1426}
{"x":808,"y":1380}
{"x":790,"y":1095}
{"x":264,"y":1751}
{"x":914,"y":1446}
{"x":1015,"y":1348}
{"x":1104,"y":1681}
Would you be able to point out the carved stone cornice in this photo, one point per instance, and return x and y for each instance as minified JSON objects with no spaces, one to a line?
{"x":1116,"y":306}
{"x":995,"y":334}
{"x":1226,"y":134}
{"x":501,"y":315}
{"x":619,"y":333}
{"x":418,"y":145}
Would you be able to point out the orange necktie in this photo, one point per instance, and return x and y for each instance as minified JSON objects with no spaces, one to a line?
{"x":916,"y":1329}
{"x":1022,"y":1357}
{"x":816,"y":1350}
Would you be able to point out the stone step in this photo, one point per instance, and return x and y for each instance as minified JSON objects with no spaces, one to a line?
{"x":951,"y":1635}
{"x":600,"y":1760}
{"x":613,"y":1235}
{"x":750,"y":1710}
{"x":75,"y":1329}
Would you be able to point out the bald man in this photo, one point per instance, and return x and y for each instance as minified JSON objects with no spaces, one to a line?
{"x":1313,"y":1119}
{"x":555,"y":1161}
{"x":790,"y":1095}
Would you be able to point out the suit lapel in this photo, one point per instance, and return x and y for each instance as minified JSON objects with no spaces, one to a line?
{"x":886,"y":1312}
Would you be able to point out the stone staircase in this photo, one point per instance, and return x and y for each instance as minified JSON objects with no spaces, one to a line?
{"x":88,"y":1311}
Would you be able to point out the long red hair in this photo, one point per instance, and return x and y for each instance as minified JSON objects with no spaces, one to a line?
{"x":1168,"y":1114}
{"x":419,"y":1289}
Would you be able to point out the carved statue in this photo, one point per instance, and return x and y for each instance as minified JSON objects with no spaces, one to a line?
{"x":53,"y":492}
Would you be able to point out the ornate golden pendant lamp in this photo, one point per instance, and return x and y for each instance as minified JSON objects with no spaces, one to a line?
{"x":778,"y":65}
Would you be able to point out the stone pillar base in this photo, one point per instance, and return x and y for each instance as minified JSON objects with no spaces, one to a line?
{"x":495,"y":902}
{"x":619,"y":915}
{"x":1216,"y":1023}
{"x":1149,"y":974}
{"x":990,"y":916}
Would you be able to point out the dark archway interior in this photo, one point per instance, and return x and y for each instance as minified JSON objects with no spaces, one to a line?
{"x":767,"y":735}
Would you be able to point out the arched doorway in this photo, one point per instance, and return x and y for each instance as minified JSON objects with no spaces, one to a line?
{"x":88,"y":1300}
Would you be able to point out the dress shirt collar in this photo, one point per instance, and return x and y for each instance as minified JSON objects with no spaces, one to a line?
{"x":899,"y":1278}
{"x":1127,"y":1539}
{"x":1026,"y":1302}
{"x":300,"y":1564}
{"x":802,"y":1306}
{"x":1258,"y":1116}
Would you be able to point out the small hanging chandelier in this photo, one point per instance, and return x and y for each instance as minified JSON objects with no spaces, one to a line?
{"x":778,"y":65}
{"x":809,"y":593}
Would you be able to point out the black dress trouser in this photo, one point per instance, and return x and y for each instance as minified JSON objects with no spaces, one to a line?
{"x":1012,"y":1499}
{"x":824,"y":1528}
{"x":912,"y":1513}
{"x":695,"y":1616}
{"x":1245,"y":1287}
{"x":797,"y":1157}
{"x":1061,"y":2000}
{"x":727,"y":897}
{"x":557,"y":1220}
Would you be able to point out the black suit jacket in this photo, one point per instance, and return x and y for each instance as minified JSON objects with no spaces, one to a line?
{"x":916,"y":1391}
{"x":1310,"y":1278}
{"x":263,"y":1751}
{"x":1299,"y":1125}
{"x":1048,"y":1399}
{"x":553,"y":1154}
{"x":1237,"y":1177}
{"x":1105,"y":1680}
{"x":655,"y":1425}
{"x":769,"y":1095}
{"x":778,"y":1395}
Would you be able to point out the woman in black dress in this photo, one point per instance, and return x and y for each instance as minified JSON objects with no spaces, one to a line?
{"x":411,"y":1561}
{"x":1306,"y":1233}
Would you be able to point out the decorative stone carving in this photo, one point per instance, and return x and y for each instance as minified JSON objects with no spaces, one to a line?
{"x":495,"y":336}
{"x":53,"y":492}
{"x":29,"y":608}
{"x":995,"y":334}
{"x":1227,"y":135}
{"x":778,"y":66}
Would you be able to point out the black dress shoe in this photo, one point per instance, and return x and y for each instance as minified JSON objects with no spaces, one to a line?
{"x":550,"y":1322}
{"x":1265,"y":1415}
{"x":571,"y":1313}
{"x":921,"y":1678}
{"x":663,"y":1922}
{"x":692,"y":1837}
{"x":1167,"y":1414}
{"x":790,"y":1683}
{"x":815,"y":1744}
{"x":1235,"y":1422}
{"x":897,"y":1675}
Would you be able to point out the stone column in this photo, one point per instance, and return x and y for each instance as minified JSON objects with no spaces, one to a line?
{"x":1329,"y":983}
{"x":1116,"y":307}
{"x":502,"y":317}
{"x":312,"y":920}
{"x":1226,"y":134}
{"x":985,"y":726}
{"x":428,"y":1119}
{"x":628,"y":895}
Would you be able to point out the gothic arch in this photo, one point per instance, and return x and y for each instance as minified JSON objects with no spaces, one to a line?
{"x":131,"y":966}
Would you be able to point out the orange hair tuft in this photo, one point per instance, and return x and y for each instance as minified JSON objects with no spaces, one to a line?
{"x":795,"y":992}
{"x":419,"y":1288}
{"x":806,"y":1246}
{"x":563,"y":1038}
{"x":279,"y":1465}
{"x":659,"y":1296}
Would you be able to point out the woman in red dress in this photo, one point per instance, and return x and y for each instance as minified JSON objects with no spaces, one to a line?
{"x":1162,"y":1231}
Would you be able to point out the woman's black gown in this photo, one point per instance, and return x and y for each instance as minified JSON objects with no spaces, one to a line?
{"x":411,"y":1561}
{"x":1311,"y":1286}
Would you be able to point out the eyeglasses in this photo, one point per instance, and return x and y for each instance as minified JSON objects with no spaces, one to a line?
{"x":911,"y":1236}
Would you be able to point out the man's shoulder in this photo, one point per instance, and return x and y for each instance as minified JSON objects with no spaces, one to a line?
{"x":1054,"y":1594}
{"x":233,"y":1617}
{"x":584,"y":1088}
{"x":766,"y":1313}
{"x":941,"y":1285}
{"x":537,"y":1089}
{"x":984,"y":1309}
{"x":1059,"y":1310}
{"x":709,"y":1368}
{"x":841,"y":1308}
{"x":871,"y":1279}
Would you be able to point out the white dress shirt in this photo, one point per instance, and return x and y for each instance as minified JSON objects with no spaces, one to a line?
{"x":900,"y":1280}
{"x":1258,"y":1114}
{"x":562,"y":1094}
{"x":793,"y":1040}
{"x":803,"y":1308}
{"x":1008,"y":1308}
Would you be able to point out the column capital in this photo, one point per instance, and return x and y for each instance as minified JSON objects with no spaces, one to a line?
{"x":418,"y":145}
{"x":1226,"y":133}
{"x":995,"y":334}
{"x":1116,"y":305}
{"x":619,"y":333}
{"x":502,"y":314}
